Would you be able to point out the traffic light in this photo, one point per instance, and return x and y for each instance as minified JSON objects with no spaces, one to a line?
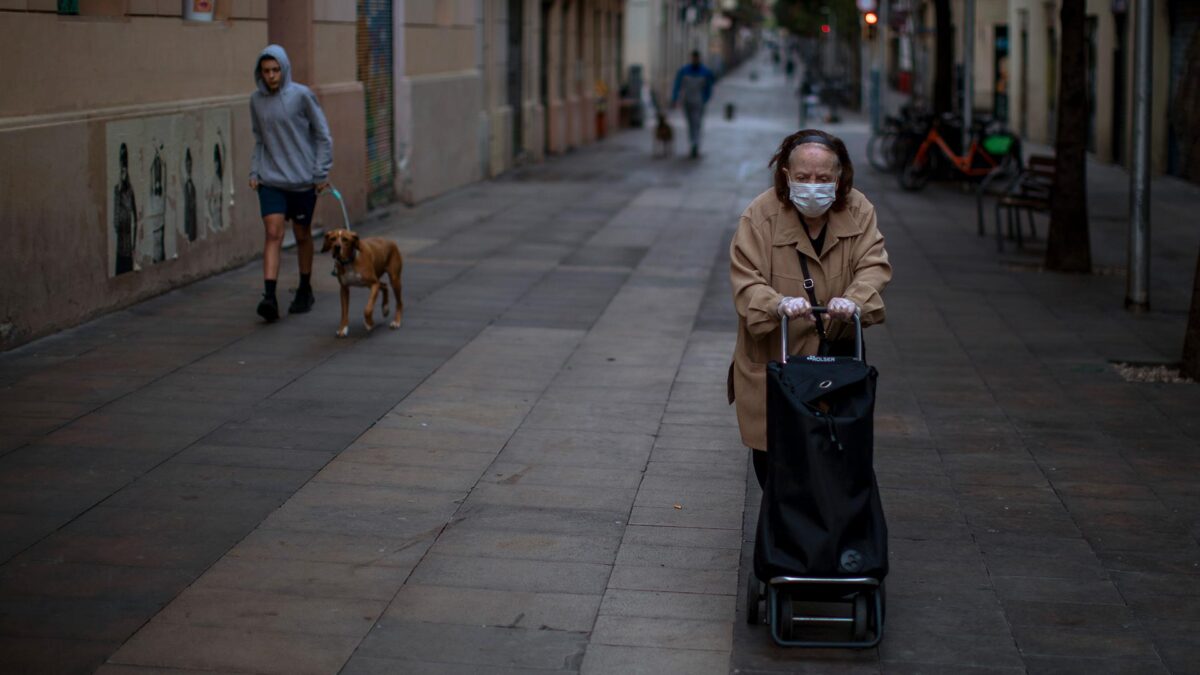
{"x":871,"y":19}
{"x":824,"y":28}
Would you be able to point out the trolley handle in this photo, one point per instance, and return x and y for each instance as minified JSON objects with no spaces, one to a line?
{"x":341,"y":202}
{"x":858,"y":335}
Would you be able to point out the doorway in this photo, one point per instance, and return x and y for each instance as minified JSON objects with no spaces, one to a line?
{"x":516,"y":68}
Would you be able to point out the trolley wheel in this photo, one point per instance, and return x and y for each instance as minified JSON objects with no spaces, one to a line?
{"x":862,"y":615}
{"x":785,"y":616}
{"x":753,"y":597}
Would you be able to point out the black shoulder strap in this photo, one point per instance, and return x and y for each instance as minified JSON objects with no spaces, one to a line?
{"x":812,"y":295}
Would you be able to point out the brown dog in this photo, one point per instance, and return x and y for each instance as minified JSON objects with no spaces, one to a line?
{"x":664,"y":137}
{"x":363,"y":262}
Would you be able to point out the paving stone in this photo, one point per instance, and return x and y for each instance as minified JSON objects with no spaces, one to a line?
{"x":651,"y":661}
{"x":577,"y":522}
{"x":367,"y":548}
{"x":661,"y":605}
{"x":466,"y":541}
{"x":307,"y":579}
{"x":428,"y":457}
{"x":615,"y":500}
{"x":953,"y":648}
{"x":572,"y":612}
{"x":367,"y":665}
{"x":510,"y":473}
{"x":726,"y":517}
{"x":649,"y":535}
{"x":512,"y":575}
{"x":53,"y":655}
{"x":1092,"y":642}
{"x":202,"y":605}
{"x":171,"y":645}
{"x":344,"y":472}
{"x":489,"y":646}
{"x":643,"y":578}
{"x":1090,"y":591}
{"x":674,"y":633}
{"x":1074,"y":665}
{"x":143,"y":538}
{"x":678,"y":557}
{"x":109,"y":669}
{"x":387,"y":511}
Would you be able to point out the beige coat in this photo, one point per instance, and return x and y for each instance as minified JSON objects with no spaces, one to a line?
{"x":764,"y":267}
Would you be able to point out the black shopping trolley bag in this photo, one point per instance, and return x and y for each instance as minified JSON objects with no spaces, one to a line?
{"x":821,"y":514}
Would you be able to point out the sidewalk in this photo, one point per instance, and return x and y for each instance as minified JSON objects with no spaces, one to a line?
{"x":538,"y":470}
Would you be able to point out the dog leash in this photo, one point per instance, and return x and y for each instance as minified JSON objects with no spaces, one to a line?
{"x":341,"y":202}
{"x":337,"y":194}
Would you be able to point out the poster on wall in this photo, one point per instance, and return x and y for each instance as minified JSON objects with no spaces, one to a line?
{"x":216,"y":175}
{"x":167,"y":178}
{"x":191,"y":184}
{"x":142,"y":209}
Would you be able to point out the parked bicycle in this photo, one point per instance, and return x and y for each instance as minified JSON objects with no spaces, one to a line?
{"x":888,"y":149}
{"x":988,"y":147}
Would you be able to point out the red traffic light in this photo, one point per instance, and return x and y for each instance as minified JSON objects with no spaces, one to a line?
{"x":871,"y":18}
{"x":824,"y":28}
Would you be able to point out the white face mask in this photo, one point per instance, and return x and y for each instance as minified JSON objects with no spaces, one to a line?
{"x":813,"y":199}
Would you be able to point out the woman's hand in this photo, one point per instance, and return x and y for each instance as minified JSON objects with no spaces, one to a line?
{"x":795,"y":308}
{"x":841,"y":308}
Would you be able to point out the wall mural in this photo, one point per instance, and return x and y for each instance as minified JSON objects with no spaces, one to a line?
{"x":169,"y":179}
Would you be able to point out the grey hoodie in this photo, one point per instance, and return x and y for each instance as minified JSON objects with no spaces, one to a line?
{"x":292,"y":146}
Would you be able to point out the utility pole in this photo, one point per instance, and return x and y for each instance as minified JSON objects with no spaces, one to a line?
{"x":1137,"y":281}
{"x":968,"y":71}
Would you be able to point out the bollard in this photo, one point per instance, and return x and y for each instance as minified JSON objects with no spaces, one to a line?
{"x":729,"y":111}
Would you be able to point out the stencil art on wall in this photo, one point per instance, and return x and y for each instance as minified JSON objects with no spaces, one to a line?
{"x":167,"y":186}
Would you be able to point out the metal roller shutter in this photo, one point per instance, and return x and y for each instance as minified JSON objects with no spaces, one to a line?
{"x":375,"y":72}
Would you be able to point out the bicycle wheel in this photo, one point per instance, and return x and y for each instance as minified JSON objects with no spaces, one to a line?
{"x":915,"y":174}
{"x":878,"y":151}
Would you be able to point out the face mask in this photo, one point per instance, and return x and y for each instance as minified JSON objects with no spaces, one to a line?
{"x":813,"y":199}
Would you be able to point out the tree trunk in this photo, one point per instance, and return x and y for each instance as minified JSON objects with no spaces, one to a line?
{"x":1067,"y":246}
{"x":1191,"y":338}
{"x":943,"y":73}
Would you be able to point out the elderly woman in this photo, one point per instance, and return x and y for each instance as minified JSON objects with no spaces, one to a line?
{"x":811,"y":239}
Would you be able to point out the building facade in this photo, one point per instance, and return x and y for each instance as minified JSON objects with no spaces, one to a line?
{"x":125,"y":145}
{"x":125,"y":135}
{"x":660,"y":35}
{"x":1015,"y":71}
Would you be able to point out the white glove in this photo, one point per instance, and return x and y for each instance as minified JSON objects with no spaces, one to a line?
{"x":794,"y":308}
{"x":841,"y":308}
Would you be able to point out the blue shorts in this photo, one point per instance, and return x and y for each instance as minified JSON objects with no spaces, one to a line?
{"x":296,"y":206}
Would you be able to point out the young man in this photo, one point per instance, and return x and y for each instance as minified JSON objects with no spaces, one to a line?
{"x":293,"y":153}
{"x":694,"y":82}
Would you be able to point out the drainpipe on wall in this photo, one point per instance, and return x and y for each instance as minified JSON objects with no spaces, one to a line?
{"x":1137,"y":280}
{"x":968,"y":72}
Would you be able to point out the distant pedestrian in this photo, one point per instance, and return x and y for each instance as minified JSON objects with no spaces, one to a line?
{"x":811,"y":239}
{"x":293,"y":153}
{"x":693,"y":83}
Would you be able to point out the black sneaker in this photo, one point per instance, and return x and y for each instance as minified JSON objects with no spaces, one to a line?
{"x":302,"y":302}
{"x":268,"y":308}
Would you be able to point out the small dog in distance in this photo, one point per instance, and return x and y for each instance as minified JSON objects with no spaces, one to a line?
{"x":664,"y":137}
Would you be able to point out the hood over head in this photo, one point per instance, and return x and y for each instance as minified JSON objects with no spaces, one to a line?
{"x":273,"y":52}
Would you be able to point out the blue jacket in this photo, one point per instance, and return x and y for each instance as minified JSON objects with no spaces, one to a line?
{"x":292,"y":146}
{"x":695,"y":82}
